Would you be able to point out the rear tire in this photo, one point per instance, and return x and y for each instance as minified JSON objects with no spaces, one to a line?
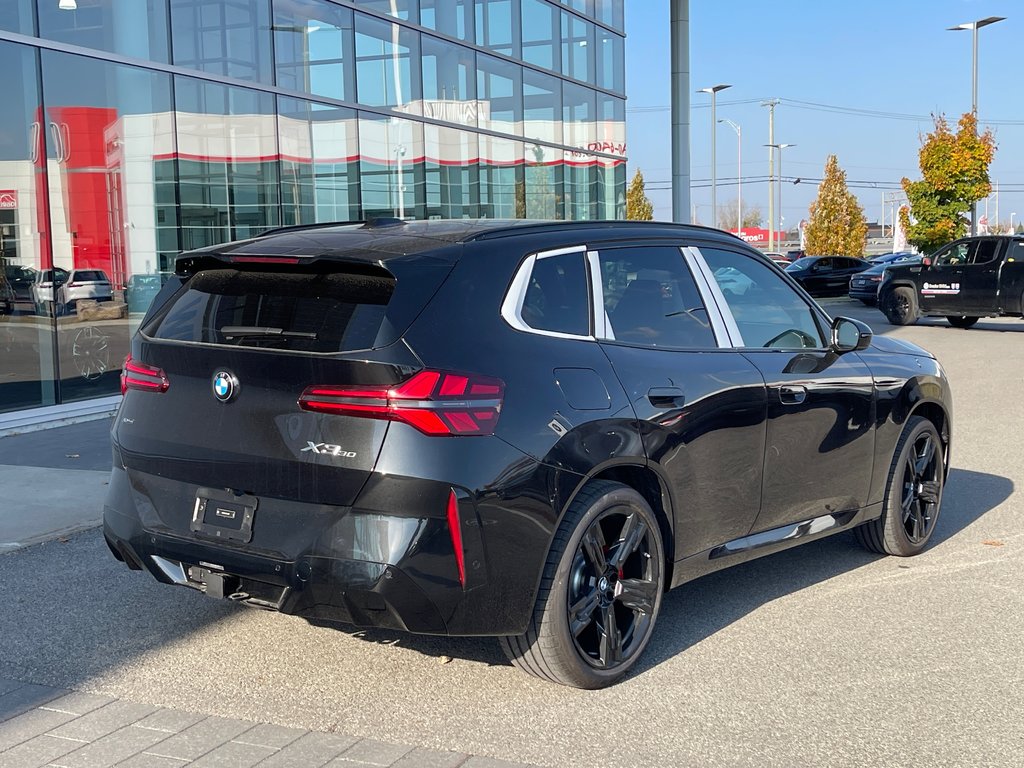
{"x":600,"y":592}
{"x":961,"y":321}
{"x":901,"y":306}
{"x":913,"y":494}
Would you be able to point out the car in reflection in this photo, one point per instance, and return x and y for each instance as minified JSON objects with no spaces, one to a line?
{"x":528,"y":430}
{"x":92,"y":284}
{"x":140,"y":291}
{"x":826,"y":275}
{"x":864,"y":285}
{"x":19,"y":279}
{"x":45,"y":288}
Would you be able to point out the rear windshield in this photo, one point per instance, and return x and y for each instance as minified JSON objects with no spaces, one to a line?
{"x":335,"y":312}
{"x":90,"y":276}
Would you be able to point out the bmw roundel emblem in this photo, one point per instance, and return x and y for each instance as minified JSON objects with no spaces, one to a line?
{"x":225,"y":386}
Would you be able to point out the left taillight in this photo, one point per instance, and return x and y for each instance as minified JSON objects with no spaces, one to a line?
{"x":434,"y":402}
{"x":148,"y":378}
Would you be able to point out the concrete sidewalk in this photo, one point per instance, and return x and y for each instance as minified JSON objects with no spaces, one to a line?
{"x":53,"y":482}
{"x":54,"y":728}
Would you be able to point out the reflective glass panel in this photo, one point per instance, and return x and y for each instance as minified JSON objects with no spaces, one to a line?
{"x":449,"y":87}
{"x":391,"y":167}
{"x":27,"y":375}
{"x":135,"y":28}
{"x":577,"y":47}
{"x":610,"y":61}
{"x":494,"y":26}
{"x":400,"y":9}
{"x":502,"y":186}
{"x":542,"y":107}
{"x":579,"y":105}
{"x":17,"y":16}
{"x":387,"y":63}
{"x":544,"y":178}
{"x":449,"y":17}
{"x":319,"y":162}
{"x":581,"y":193}
{"x":226,"y":37}
{"x":313,"y":47}
{"x":109,"y":127}
{"x":611,"y":125}
{"x":500,"y":91}
{"x":452,"y":175}
{"x":227,"y":162}
{"x":540,"y":33}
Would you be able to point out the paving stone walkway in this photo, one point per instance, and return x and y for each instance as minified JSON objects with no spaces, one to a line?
{"x":42,"y":727}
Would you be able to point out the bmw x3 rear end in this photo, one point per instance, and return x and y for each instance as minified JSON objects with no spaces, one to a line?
{"x":417,"y":426}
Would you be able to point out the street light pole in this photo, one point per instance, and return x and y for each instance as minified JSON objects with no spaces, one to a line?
{"x":974,"y":26}
{"x":779,"y":147}
{"x":713,"y":90}
{"x":739,"y":174}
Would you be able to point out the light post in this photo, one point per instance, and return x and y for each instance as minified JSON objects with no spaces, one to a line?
{"x":713,"y":90}
{"x":739,"y":174}
{"x":974,"y":26}
{"x":780,"y":147}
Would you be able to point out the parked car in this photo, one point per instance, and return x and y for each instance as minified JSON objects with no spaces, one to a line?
{"x":20,"y":279}
{"x":968,"y":279}
{"x":84,"y":284}
{"x":521,"y":429}
{"x":826,"y":275}
{"x":140,"y":291}
{"x":7,"y":298}
{"x":864,"y":285}
{"x":889,"y":258}
{"x":46,"y":287}
{"x":778,"y":258}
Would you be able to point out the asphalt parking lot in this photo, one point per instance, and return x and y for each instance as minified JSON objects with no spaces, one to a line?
{"x":824,"y":655}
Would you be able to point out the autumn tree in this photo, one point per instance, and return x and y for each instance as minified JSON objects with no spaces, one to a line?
{"x":836,"y":226}
{"x":954,"y":167}
{"x":752,"y":216}
{"x":638,"y":207}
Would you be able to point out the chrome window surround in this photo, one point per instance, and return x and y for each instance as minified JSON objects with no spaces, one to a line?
{"x":712,"y":295}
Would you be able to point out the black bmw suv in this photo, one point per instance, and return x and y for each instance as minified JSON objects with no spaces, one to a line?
{"x":521,"y":429}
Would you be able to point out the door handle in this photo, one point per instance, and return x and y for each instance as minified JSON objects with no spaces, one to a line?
{"x":666,"y":397}
{"x":793,"y":394}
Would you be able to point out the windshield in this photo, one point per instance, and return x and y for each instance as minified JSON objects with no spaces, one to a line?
{"x":802,"y":263}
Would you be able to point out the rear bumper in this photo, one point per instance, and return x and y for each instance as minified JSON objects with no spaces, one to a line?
{"x":864,"y":292}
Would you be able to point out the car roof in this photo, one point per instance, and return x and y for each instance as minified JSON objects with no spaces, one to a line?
{"x":387,"y":239}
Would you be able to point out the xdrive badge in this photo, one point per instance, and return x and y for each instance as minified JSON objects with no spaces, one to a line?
{"x":225,"y":386}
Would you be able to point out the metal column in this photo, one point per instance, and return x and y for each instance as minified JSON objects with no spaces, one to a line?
{"x":680,"y":57}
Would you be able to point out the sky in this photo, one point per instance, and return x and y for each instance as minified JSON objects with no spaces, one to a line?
{"x":873,"y":55}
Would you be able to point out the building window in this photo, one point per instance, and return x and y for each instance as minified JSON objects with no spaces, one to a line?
{"x":542,"y":107}
{"x":387,"y":63}
{"x":502,"y":185}
{"x":449,"y":86}
{"x":224,"y":37}
{"x":17,"y":16}
{"x":495,"y":28}
{"x":577,"y":47}
{"x":392,"y":182}
{"x":452,"y":173}
{"x":136,"y":28}
{"x":449,"y":17}
{"x":610,"y":61}
{"x":313,"y":45}
{"x":500,"y":91}
{"x":540,"y":34}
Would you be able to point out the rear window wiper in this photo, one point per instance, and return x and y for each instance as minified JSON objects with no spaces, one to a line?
{"x":261,"y":332}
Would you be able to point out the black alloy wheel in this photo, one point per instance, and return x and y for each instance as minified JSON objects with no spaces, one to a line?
{"x":600,"y":592}
{"x":901,"y":306}
{"x":913,"y":495}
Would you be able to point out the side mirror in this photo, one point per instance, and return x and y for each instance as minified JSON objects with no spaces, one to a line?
{"x":849,"y":335}
{"x":926,"y":261}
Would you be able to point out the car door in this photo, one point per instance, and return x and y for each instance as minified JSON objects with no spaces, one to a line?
{"x":940,"y":283}
{"x":700,"y":405}
{"x":819,"y":448}
{"x":817,"y":280}
{"x":979,"y":285}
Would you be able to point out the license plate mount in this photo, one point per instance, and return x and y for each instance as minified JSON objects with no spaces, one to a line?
{"x":223,"y":515}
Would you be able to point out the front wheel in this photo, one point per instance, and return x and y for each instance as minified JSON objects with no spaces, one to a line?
{"x":600,"y":592}
{"x":961,"y":321}
{"x":900,"y":306}
{"x":913,"y":493}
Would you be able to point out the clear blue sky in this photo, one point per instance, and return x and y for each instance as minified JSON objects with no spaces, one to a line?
{"x":894,"y":57}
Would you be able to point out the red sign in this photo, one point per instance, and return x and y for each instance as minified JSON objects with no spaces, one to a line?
{"x":8,"y":199}
{"x":757,"y":235}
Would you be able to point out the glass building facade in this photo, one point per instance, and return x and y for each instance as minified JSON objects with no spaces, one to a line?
{"x":132,"y":130}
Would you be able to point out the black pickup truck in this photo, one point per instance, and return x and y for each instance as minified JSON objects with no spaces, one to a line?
{"x":966,"y":280}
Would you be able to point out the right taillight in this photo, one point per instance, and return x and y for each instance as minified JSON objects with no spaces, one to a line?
{"x":136,"y":375}
{"x":434,"y":402}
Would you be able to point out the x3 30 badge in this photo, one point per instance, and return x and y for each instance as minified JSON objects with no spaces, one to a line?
{"x":325,"y":449}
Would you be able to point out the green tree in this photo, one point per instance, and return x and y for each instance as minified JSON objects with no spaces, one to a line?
{"x":836,"y":226}
{"x":954,"y":170}
{"x":638,"y":207}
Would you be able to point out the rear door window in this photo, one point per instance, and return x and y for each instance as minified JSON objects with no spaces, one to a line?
{"x":324,"y":313}
{"x":651,"y":299}
{"x":90,"y":276}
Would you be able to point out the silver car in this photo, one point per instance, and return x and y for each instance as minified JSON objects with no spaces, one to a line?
{"x":84,"y":284}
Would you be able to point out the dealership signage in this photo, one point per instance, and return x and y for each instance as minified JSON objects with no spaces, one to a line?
{"x":8,"y":199}
{"x":757,"y":235}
